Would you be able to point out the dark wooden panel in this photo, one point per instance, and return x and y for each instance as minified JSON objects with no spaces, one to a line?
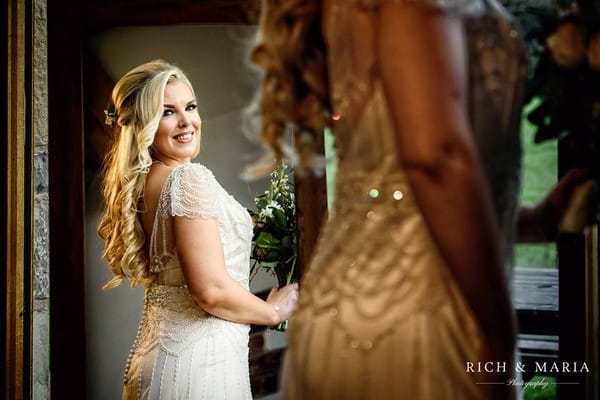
{"x":108,"y":13}
{"x":97,"y":88}
{"x":65,"y":143}
{"x":572,"y":289}
{"x":311,"y":210}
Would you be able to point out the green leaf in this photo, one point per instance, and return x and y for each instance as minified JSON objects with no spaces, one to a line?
{"x":262,"y":203}
{"x":286,"y":241}
{"x":268,"y":264}
{"x":267,"y":241}
{"x":279,"y":217}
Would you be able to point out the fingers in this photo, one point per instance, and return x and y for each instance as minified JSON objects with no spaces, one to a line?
{"x":289,"y":288}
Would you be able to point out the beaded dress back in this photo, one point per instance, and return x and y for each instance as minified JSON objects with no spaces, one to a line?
{"x":181,"y":351}
{"x":380,"y":315}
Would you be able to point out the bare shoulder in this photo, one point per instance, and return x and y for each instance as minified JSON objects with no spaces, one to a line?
{"x":155,"y":180}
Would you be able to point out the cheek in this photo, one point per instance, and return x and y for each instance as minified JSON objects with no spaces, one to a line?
{"x":163,"y":132}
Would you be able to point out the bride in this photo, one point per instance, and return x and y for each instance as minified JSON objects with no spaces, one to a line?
{"x":171,"y":227}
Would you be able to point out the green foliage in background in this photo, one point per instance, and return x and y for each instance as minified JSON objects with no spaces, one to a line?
{"x":539,"y":172}
{"x":543,"y":389}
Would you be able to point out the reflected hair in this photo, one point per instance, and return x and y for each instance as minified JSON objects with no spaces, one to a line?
{"x":137,"y":103}
{"x":294,"y":94}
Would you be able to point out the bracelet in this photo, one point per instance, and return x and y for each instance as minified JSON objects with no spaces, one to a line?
{"x":276,"y":309}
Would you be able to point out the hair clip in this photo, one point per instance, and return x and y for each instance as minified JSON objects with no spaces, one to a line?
{"x":111,"y":116}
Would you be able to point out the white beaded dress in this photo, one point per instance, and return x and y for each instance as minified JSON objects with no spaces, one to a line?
{"x":181,"y":351}
{"x":380,"y":315}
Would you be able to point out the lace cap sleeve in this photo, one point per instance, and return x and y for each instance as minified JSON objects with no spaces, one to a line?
{"x":192,"y":192}
{"x":448,"y":6}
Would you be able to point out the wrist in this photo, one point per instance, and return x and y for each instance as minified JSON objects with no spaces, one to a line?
{"x":276,"y":315}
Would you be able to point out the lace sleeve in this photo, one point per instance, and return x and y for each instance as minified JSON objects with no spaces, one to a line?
{"x":449,"y":6}
{"x":192,"y":192}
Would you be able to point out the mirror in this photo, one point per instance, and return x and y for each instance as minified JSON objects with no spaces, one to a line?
{"x":215,"y":59}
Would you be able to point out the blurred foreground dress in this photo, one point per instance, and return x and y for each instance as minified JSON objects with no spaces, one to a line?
{"x":380,"y":315}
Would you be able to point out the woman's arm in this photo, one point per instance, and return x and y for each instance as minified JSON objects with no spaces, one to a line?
{"x":539,"y":223}
{"x":422,"y":59}
{"x":201,"y":254}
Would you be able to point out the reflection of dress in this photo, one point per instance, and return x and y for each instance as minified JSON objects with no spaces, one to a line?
{"x":182,"y":352}
{"x":380,"y":315}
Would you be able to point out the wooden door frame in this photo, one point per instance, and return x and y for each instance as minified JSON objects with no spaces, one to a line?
{"x":16,"y":198}
{"x":69,"y":24}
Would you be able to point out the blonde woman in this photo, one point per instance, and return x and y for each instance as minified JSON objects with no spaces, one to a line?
{"x":171,"y":227}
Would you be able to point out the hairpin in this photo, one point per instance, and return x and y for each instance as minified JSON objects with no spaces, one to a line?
{"x":111,"y":115}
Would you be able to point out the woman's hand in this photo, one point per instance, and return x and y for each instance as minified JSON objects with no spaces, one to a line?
{"x":541,"y":222}
{"x":286,"y":299}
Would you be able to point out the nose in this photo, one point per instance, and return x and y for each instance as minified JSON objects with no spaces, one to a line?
{"x":184,"y":120}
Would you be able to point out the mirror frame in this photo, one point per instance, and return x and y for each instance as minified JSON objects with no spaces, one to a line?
{"x":68,"y":26}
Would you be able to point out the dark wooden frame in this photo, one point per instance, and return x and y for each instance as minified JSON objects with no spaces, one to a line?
{"x":66,"y":197}
{"x":68,"y":25}
{"x":575,"y":262}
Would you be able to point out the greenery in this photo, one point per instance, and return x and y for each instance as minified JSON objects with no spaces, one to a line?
{"x":331,"y":168}
{"x":275,"y":229}
{"x":540,"y":388}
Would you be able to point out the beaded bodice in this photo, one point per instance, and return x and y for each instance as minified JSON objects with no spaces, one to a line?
{"x":364,"y":136}
{"x":192,"y":191}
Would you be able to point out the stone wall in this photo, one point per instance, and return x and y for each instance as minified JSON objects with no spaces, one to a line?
{"x":41,"y":284}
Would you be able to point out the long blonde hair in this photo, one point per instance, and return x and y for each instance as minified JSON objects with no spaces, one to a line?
{"x":291,"y":51}
{"x":136,"y":108}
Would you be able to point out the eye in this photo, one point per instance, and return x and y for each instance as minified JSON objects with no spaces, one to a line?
{"x":167,"y":112}
{"x":191,"y":107}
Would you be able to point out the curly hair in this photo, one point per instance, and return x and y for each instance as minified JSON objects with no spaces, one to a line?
{"x":136,"y":107}
{"x":291,"y":52}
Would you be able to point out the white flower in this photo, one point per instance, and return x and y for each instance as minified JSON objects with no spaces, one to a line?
{"x":274,"y":204}
{"x":265,"y":213}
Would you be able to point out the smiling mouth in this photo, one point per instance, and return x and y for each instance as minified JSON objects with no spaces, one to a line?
{"x":184,"y":137}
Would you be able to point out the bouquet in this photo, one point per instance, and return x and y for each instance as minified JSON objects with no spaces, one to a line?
{"x":275,"y":232}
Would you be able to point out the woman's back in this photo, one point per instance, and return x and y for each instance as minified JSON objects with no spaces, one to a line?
{"x":380,"y":314}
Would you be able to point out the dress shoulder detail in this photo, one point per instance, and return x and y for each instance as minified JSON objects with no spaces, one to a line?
{"x":192,"y":192}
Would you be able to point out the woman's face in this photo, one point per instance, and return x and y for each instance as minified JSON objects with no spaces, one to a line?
{"x":178,"y":136}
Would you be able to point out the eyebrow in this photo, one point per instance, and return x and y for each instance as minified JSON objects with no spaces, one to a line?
{"x":187,"y":104}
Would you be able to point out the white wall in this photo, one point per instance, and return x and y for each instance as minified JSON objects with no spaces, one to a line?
{"x":213,"y":56}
